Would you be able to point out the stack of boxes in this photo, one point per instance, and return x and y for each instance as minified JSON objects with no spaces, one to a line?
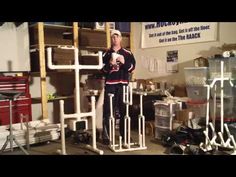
{"x":196,"y":78}
{"x":165,"y":112}
{"x":228,"y":90}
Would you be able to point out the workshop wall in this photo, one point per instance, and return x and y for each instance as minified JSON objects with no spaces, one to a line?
{"x":186,"y":53}
{"x":14,"y":47}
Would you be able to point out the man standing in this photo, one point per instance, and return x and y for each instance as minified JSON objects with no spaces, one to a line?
{"x":118,"y":63}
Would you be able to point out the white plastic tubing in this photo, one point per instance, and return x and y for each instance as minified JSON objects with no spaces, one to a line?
{"x":78,"y":115}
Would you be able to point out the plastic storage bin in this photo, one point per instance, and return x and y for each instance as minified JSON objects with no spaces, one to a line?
{"x":162,"y":108}
{"x":229,"y":91}
{"x":161,"y":121}
{"x":196,"y":75}
{"x":197,"y":93}
{"x":229,"y":109}
{"x":159,"y":132}
{"x":198,"y":108}
{"x":215,"y":67}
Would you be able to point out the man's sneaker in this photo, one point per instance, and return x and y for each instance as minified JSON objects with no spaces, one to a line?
{"x":106,"y":141}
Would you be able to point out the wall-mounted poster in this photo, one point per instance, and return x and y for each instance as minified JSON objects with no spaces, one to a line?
{"x":157,"y":34}
{"x":172,"y":61}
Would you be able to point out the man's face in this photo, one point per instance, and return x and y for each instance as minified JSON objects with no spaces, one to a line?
{"x":116,"y":40}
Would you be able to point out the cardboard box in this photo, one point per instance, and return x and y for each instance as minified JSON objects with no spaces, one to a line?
{"x":125,"y":42}
{"x":53,"y":36}
{"x":59,"y":56}
{"x":180,"y":91}
{"x":89,"y":60}
{"x":92,"y":38}
{"x":183,"y":116}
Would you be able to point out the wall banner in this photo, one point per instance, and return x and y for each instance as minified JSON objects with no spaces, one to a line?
{"x":157,"y":34}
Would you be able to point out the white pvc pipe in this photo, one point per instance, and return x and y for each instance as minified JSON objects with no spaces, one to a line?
{"x":139,"y":131}
{"x":120,"y":142}
{"x":227,"y":130}
{"x":63,"y":144}
{"x":222,"y":139}
{"x":143,"y":134}
{"x":77,"y":82}
{"x":207,"y":111}
{"x":76,"y":65}
{"x":78,"y":115}
{"x":171,"y":115}
{"x":129,"y":132}
{"x":123,"y":94}
{"x":111,"y":123}
{"x":141,"y":104}
{"x":131,"y":94}
{"x":113,"y":132}
{"x":125,"y":131}
{"x":99,"y":66}
{"x":214,"y":107}
{"x":233,"y":141}
{"x":222,"y":98}
{"x":93,"y":122}
{"x":127,"y":96}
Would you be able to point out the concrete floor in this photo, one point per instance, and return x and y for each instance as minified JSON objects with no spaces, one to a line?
{"x":50,"y":148}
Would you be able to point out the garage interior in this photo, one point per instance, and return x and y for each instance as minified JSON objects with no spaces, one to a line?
{"x":180,"y":98}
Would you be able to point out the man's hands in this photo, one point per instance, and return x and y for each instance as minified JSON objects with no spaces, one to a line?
{"x":121,"y":59}
{"x":117,"y":58}
{"x":113,"y":61}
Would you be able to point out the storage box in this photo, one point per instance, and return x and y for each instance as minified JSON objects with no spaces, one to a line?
{"x":92,"y":38}
{"x":228,"y":91}
{"x":52,"y":35}
{"x":62,"y":54}
{"x":180,"y":91}
{"x":198,"y":108}
{"x":162,"y":121}
{"x":125,"y":42}
{"x":196,"y":76}
{"x":89,"y":60}
{"x":59,"y":56}
{"x":229,"y":109}
{"x":183,"y":116}
{"x":197,"y":93}
{"x":162,"y":108}
{"x":215,"y":66}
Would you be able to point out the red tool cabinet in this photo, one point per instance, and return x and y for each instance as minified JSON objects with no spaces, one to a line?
{"x":21,"y":105}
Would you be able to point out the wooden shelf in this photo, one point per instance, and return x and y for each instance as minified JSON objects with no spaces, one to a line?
{"x":51,"y":73}
{"x":92,"y":30}
{"x":52,"y":35}
{"x":125,"y":33}
{"x":53,"y":26}
{"x":92,"y":48}
{"x":36,"y":46}
{"x":38,"y":99}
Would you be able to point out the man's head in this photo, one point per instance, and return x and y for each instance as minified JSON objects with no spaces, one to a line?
{"x":116,"y":37}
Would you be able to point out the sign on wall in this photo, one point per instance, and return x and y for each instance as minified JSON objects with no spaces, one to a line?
{"x":157,"y":34}
{"x":172,"y":61}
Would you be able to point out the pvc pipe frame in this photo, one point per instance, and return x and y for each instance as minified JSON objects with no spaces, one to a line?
{"x":128,"y":100}
{"x":209,"y":143}
{"x":78,"y":115}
